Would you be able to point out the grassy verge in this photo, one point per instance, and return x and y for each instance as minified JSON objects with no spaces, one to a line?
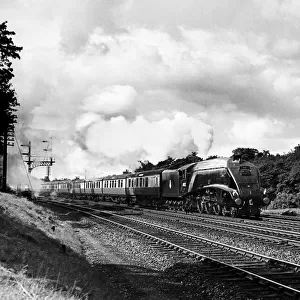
{"x":39,"y":256}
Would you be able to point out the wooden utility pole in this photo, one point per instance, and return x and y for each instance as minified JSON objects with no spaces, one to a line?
{"x":8,"y":140}
{"x":4,"y":175}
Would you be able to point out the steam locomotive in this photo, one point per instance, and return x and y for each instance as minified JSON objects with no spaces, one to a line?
{"x":222,"y":186}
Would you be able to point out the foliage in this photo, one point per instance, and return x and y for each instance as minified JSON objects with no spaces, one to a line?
{"x":285,"y":200}
{"x":245,"y":153}
{"x":145,"y":166}
{"x":280,"y":175}
{"x":169,"y":163}
{"x":8,"y":102}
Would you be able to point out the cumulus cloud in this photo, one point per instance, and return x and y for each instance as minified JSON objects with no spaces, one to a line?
{"x":114,"y":82}
{"x":111,"y":101}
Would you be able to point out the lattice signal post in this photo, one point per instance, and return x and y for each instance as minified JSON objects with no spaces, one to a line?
{"x":38,"y":161}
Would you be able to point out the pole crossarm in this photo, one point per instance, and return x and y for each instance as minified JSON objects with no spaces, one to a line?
{"x":40,"y":163}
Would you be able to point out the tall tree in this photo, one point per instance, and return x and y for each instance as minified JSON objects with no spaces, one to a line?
{"x":8,"y":98}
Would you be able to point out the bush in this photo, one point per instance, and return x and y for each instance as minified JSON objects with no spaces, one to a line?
{"x":285,"y":200}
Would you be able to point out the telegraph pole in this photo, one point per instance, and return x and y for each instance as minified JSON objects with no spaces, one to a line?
{"x":8,"y":138}
{"x":4,"y":176}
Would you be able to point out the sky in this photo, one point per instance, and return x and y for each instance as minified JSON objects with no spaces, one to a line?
{"x":113,"y":82}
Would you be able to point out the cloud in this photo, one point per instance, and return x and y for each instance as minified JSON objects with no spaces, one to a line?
{"x":111,"y":101}
{"x":177,"y":136}
{"x":114,"y":82}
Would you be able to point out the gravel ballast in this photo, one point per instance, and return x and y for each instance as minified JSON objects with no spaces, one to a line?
{"x":99,"y":261}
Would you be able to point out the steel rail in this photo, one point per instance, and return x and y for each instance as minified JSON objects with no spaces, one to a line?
{"x":288,"y":290}
{"x":225,"y":221}
{"x":275,"y":239}
{"x":284,"y":236}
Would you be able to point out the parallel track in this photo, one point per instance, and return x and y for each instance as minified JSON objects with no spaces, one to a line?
{"x":277,"y":275}
{"x":249,"y":229}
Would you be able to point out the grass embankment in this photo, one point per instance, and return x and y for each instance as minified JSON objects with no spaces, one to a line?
{"x":39,"y":256}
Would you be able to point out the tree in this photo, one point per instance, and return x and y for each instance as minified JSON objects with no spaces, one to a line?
{"x":8,"y":99}
{"x":146,"y":165}
{"x":245,"y":153}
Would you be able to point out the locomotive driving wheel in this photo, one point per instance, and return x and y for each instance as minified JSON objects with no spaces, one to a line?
{"x":209,"y":207}
{"x":200,"y":206}
{"x":217,"y":209}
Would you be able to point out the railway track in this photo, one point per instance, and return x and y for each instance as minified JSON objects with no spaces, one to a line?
{"x":271,"y":277}
{"x":248,"y":229}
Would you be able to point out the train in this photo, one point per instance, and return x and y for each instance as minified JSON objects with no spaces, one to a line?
{"x":227,"y":186}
